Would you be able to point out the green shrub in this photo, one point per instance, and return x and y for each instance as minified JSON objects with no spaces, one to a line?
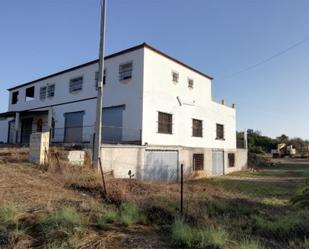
{"x":186,"y":236}
{"x":66,"y":217}
{"x":302,"y":199}
{"x":8,"y":214}
{"x":250,"y":244}
{"x":110,"y":216}
{"x":131,"y":214}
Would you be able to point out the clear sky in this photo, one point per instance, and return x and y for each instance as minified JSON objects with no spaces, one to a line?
{"x":218,"y":37}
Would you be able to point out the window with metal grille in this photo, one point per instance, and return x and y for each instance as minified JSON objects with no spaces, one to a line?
{"x":30,"y":93}
{"x":197,"y":128}
{"x":220,"y":131}
{"x":15,"y":97}
{"x":97,"y":78}
{"x":231,"y":157}
{"x":125,"y":71}
{"x":190,"y":83}
{"x":165,"y":123}
{"x":43,"y":91}
{"x":51,"y":90}
{"x":175,"y":77}
{"x":198,"y":161}
{"x":76,"y":84}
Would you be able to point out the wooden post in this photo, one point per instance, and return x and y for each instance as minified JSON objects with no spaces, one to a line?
{"x":102,"y":175}
{"x":181,"y":190}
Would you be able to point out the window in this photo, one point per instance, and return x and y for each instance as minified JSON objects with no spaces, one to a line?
{"x":220,"y":131}
{"x":30,"y":93}
{"x":76,"y":84}
{"x":197,"y":128}
{"x":97,"y":78}
{"x":175,"y":77}
{"x":39,"y":125}
{"x":231,"y":157}
{"x":125,"y":71}
{"x":43,"y":92}
{"x":165,"y":123}
{"x":14,"y":97}
{"x":198,"y":161}
{"x":190,"y":83}
{"x":51,"y":91}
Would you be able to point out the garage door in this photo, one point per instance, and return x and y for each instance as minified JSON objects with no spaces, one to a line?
{"x":74,"y":127}
{"x":218,"y":163}
{"x":161,"y":165}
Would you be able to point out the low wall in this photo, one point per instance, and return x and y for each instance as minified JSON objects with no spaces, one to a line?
{"x":120,"y":159}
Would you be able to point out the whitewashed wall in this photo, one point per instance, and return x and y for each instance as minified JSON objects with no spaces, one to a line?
{"x":160,"y":94}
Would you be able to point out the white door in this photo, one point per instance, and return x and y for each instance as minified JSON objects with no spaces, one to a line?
{"x":161,"y":165}
{"x":217,"y":162}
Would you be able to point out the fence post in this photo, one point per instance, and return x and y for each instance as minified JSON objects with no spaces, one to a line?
{"x":103,"y":180}
{"x":181,"y":190}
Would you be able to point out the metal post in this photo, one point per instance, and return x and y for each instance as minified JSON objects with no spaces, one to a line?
{"x":181,"y":190}
{"x":98,"y":126}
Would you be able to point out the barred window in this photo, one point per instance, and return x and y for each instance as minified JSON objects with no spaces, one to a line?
{"x":43,"y":92}
{"x":220,"y":131}
{"x":190,"y":83}
{"x":197,"y":128}
{"x":51,"y":90}
{"x":76,"y":84}
{"x":165,"y":123}
{"x":97,"y":78}
{"x":231,"y":157}
{"x":125,"y":71}
{"x":175,"y":77}
{"x":198,"y":161}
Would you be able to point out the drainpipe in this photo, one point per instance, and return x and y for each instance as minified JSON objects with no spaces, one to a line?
{"x":17,"y":128}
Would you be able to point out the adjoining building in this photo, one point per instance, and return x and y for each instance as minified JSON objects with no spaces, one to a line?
{"x":152,"y":102}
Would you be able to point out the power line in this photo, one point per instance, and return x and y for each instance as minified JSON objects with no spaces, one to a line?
{"x":268,"y":59}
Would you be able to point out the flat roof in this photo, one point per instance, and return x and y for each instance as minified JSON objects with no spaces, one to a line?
{"x":143,"y":45}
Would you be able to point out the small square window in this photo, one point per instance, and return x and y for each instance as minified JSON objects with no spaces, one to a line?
{"x":51,"y":91}
{"x":15,"y":97}
{"x":30,"y":93}
{"x":43,"y":91}
{"x":220,"y":132}
{"x":125,"y":71}
{"x":76,"y":84}
{"x":190,"y":83}
{"x":231,"y":157}
{"x":175,"y":77}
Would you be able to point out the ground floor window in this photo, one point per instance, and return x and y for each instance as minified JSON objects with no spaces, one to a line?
{"x":198,"y":161}
{"x":231,"y":157}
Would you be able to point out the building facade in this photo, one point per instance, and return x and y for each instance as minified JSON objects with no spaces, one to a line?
{"x":149,"y":99}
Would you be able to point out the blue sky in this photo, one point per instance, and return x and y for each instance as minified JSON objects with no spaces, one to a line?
{"x":218,"y":37}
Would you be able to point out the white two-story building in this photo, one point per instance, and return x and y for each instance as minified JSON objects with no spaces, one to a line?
{"x":150,"y":99}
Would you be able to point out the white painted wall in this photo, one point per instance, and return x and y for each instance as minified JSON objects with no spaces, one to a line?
{"x":160,"y":94}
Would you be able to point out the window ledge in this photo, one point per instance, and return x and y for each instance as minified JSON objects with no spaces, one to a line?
{"x":221,"y":139}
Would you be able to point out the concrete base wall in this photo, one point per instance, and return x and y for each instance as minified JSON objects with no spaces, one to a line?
{"x":120,"y":159}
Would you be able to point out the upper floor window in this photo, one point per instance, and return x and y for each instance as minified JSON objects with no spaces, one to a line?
{"x":97,"y":78}
{"x":125,"y":71}
{"x":15,"y":97}
{"x":165,"y":123}
{"x":175,"y":77}
{"x":51,"y":90}
{"x":197,"y":128}
{"x":30,"y":93}
{"x":190,"y":83}
{"x":43,"y":91}
{"x":76,"y":84}
{"x":220,"y":131}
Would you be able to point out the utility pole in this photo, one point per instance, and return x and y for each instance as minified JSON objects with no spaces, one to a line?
{"x":98,"y":124}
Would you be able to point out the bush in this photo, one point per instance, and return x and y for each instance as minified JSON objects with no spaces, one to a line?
{"x":131,"y":214}
{"x":250,"y":244}
{"x":8,"y":214}
{"x":186,"y":236}
{"x":110,"y":216}
{"x":67,"y":218}
{"x":302,"y":199}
